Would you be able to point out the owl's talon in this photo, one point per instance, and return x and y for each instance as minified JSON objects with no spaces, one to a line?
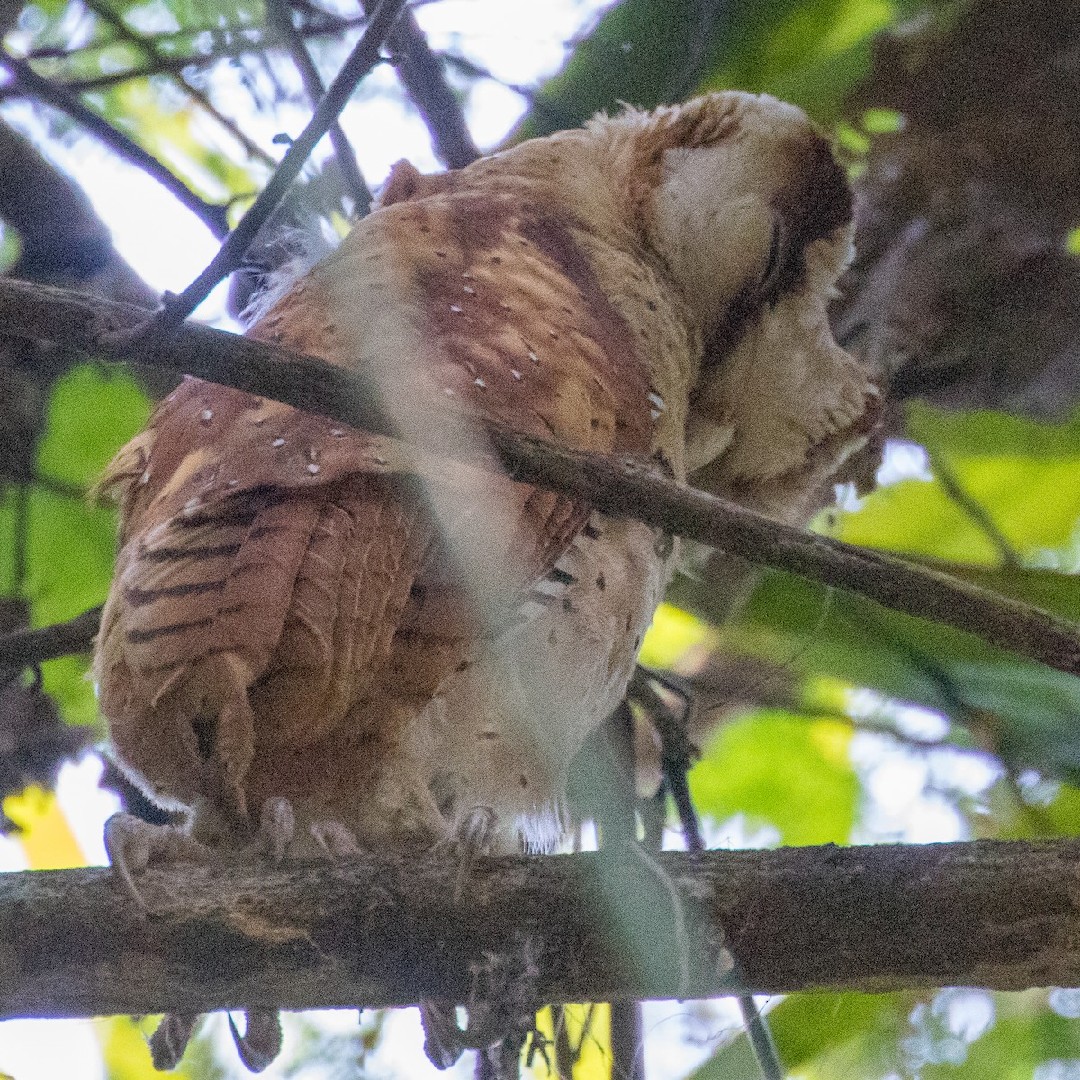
{"x":170,"y":1039}
{"x":132,"y":844}
{"x":260,"y":1044}
{"x":443,"y":1042}
{"x":474,"y":838}
{"x":277,"y":827}
{"x":336,"y":840}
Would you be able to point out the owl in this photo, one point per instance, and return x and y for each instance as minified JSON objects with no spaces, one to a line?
{"x":337,"y":639}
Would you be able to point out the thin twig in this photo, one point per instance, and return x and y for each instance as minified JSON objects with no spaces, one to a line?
{"x":356,"y":187}
{"x":676,"y":755}
{"x":975,"y":512}
{"x":146,"y":45}
{"x":360,"y":61}
{"x":473,"y":70}
{"x":59,"y":487}
{"x":629,"y":489}
{"x":24,"y":648}
{"x":37,"y":86}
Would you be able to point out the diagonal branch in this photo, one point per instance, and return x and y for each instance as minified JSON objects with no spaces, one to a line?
{"x":421,"y":72}
{"x":360,"y":61}
{"x":59,"y":97}
{"x":280,"y":15}
{"x":384,"y":931}
{"x":621,"y":488}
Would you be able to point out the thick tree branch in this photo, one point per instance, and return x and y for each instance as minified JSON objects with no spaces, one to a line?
{"x":1004,"y":915}
{"x":622,"y":488}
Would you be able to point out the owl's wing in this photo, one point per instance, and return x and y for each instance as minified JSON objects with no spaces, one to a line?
{"x":273,"y":549}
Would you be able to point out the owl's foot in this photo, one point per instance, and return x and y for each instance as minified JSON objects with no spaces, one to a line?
{"x":334,"y":840}
{"x":500,"y":1007}
{"x":475,"y":834}
{"x":258,"y":1047}
{"x":132,"y":844}
{"x":276,"y":829}
{"x":444,"y":1040}
{"x":260,"y":1044}
{"x":170,"y":1039}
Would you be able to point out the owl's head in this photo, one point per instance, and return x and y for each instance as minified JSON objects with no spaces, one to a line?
{"x":743,"y":201}
{"x":738,"y":193}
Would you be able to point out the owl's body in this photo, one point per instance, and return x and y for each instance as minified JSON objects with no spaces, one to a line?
{"x":390,"y":639}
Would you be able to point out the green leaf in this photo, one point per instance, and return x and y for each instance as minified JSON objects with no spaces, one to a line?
{"x":93,"y":411}
{"x":790,"y":772}
{"x":1020,"y":471}
{"x":648,"y":52}
{"x":1023,"y":710}
{"x":823,"y":1036}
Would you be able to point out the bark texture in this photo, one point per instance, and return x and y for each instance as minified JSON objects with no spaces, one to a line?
{"x":1003,"y":915}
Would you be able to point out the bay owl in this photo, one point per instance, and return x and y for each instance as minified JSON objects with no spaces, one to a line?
{"x":387,"y":640}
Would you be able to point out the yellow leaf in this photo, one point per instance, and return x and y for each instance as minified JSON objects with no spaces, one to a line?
{"x":672,"y":632}
{"x":46,"y":836}
{"x":124,"y":1049}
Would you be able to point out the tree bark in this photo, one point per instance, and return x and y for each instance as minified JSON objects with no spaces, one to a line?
{"x":386,"y":931}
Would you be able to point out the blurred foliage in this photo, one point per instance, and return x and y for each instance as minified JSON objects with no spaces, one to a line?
{"x":792,"y":773}
{"x":71,"y":545}
{"x":1009,"y":519}
{"x":648,"y":52}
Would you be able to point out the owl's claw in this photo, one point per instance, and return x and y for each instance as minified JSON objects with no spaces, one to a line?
{"x":335,"y":840}
{"x":474,"y":838}
{"x":132,"y":844}
{"x":170,"y":1039}
{"x":261,"y":1042}
{"x":277,"y":827}
{"x":443,"y":1042}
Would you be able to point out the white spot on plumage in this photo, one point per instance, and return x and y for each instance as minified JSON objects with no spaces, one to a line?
{"x":278,"y":442}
